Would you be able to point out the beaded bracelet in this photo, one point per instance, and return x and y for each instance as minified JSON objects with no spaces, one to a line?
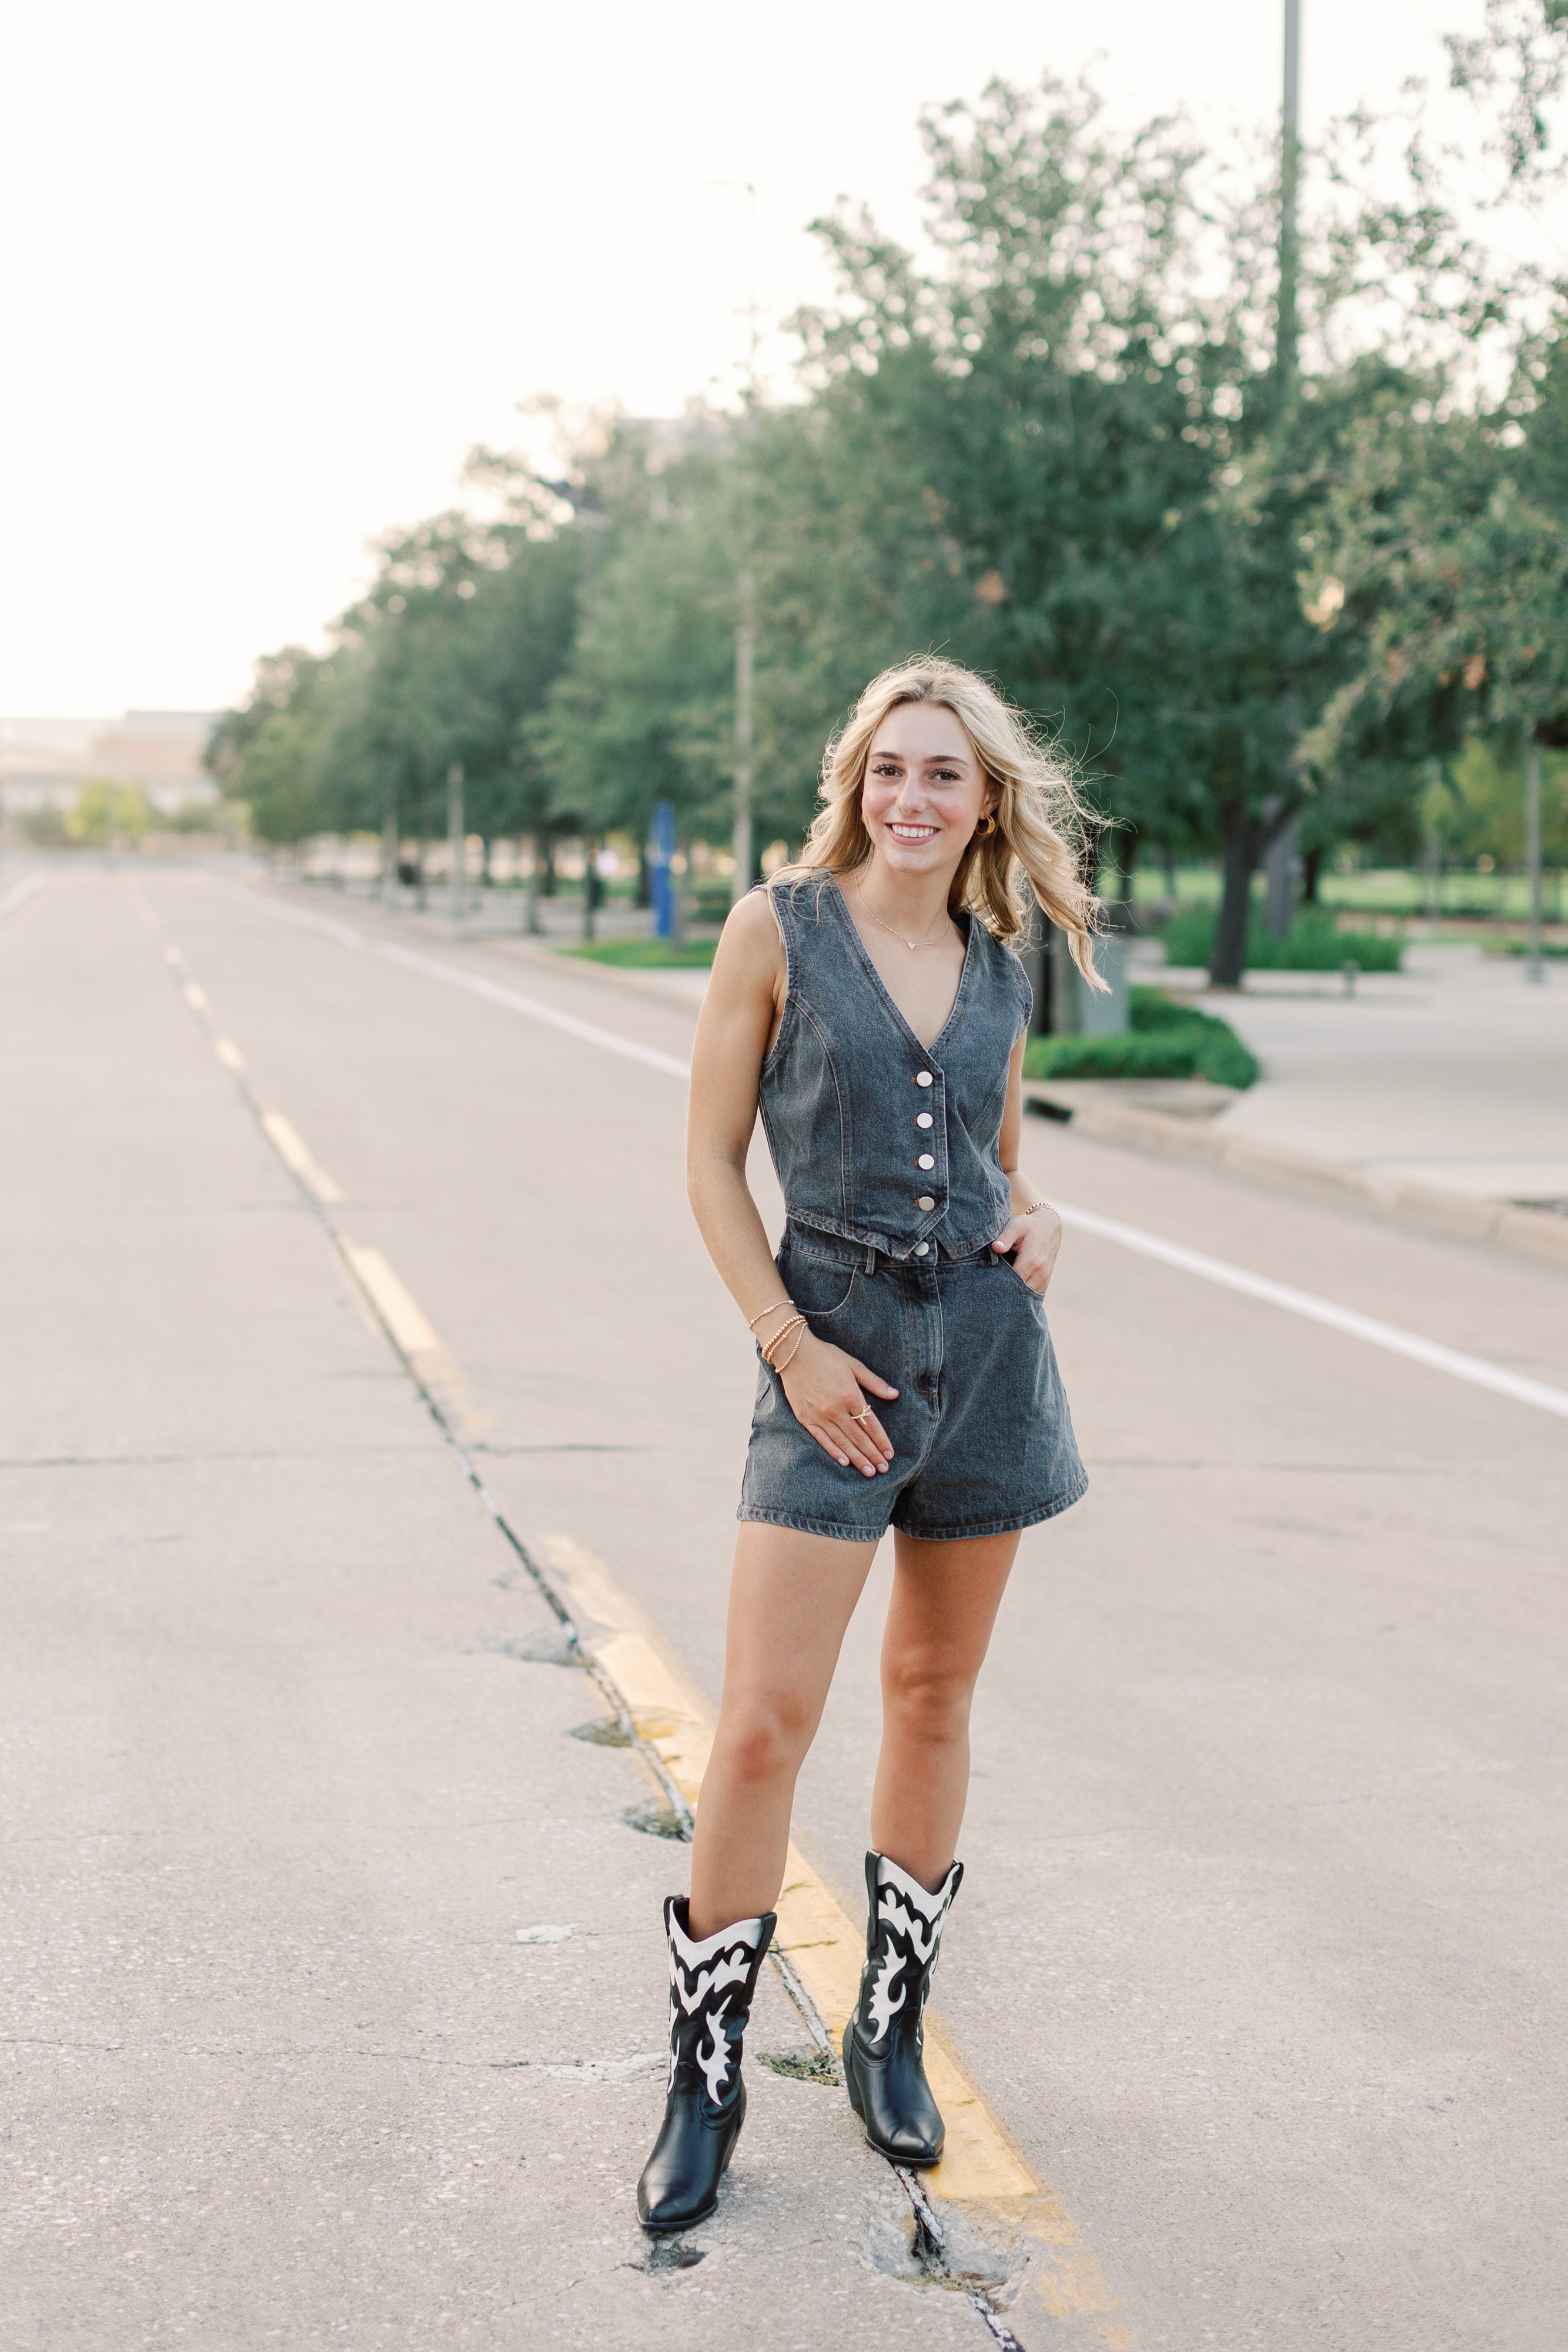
{"x":795,"y":1322}
{"x":781,"y":1369}
{"x":766,"y":1311}
{"x":1031,"y":1208}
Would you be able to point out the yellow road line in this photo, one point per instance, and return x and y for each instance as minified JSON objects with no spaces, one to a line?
{"x":289,"y":1146}
{"x":228,"y":1053}
{"x":197,"y":998}
{"x":982,"y":2164}
{"x":396,"y":1305}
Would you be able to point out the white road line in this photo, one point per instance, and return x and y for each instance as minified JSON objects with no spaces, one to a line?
{"x":21,"y":891}
{"x":534,"y":1007}
{"x":1459,"y":1366}
{"x":537,"y":1010}
{"x":1366,"y":1328}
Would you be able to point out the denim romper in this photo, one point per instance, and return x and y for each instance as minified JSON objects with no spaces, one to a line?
{"x":886,"y":1152}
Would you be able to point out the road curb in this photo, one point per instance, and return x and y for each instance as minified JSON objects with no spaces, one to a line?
{"x":1424,"y":1207}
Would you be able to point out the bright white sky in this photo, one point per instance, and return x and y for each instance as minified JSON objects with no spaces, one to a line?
{"x":271,"y":270}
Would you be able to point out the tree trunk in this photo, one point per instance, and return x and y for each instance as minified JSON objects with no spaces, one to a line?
{"x":1311,"y":867}
{"x":1127,"y":840}
{"x":1242,"y":840}
{"x":644,"y":887}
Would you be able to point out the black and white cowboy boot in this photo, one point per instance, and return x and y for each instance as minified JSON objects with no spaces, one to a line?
{"x":883,"y":2068}
{"x":711,"y":1986}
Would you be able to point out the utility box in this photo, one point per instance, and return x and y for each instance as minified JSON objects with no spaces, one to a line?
{"x":1064,"y":1003}
{"x":1103,"y":1016}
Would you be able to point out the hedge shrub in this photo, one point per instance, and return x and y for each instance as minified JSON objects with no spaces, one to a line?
{"x":1164,"y":1039}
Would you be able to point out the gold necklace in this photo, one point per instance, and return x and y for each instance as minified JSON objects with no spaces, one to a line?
{"x":912,"y":945}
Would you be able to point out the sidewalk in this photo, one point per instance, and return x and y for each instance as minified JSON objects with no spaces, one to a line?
{"x":1453,"y":1073}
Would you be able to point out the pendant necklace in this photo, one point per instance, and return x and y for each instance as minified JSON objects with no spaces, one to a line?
{"x":912,"y":945}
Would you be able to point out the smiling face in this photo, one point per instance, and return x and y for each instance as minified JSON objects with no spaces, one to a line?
{"x":924,"y":790}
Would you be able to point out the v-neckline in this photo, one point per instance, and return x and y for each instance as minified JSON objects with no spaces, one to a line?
{"x":886,"y":994}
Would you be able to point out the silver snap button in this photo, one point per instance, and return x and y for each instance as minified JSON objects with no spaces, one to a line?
{"x":925,"y":1160}
{"x":924,"y":1078}
{"x":926,"y":1201}
{"x":922,"y":1249}
{"x":922,"y":1118}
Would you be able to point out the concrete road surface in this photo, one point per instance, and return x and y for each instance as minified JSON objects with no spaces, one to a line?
{"x":334,"y":1984}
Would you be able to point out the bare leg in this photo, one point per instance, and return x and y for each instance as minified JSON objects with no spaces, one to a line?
{"x":791,"y":1597}
{"x":945,"y":1601}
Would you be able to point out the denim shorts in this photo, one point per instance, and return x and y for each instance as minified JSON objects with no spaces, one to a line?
{"x":982,"y":1437}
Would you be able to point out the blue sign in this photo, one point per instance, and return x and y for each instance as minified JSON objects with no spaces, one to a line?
{"x":662,"y":882}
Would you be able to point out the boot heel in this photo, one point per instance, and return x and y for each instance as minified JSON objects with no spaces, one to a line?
{"x":851,"y":2085}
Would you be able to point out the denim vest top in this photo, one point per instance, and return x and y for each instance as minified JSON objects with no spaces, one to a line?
{"x":848,"y":1082}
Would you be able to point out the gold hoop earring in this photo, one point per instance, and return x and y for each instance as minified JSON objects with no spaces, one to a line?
{"x":987,"y":826}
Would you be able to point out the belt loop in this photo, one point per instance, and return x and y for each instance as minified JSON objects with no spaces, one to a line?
{"x":869,"y":1258}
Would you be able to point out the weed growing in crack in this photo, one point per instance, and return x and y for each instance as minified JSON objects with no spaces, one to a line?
{"x":821,"y":2066}
{"x":657,"y":1819}
{"x":603,"y":1732}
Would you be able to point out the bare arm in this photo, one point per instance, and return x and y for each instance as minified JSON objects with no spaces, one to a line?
{"x":1034,"y":1241}
{"x":745,"y":998}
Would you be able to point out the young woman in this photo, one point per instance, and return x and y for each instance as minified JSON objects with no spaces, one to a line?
{"x":870,"y":1001}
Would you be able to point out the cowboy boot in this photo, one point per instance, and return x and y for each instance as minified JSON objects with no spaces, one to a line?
{"x":711,"y":1986}
{"x":883,"y":2069}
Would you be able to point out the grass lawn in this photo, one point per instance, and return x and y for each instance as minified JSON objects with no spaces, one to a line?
{"x":647,"y":955}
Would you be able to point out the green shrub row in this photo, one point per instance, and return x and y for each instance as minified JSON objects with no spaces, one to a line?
{"x":1164,"y":1039}
{"x":1314,"y":943}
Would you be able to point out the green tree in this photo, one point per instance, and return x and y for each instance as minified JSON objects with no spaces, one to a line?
{"x":265,"y":752}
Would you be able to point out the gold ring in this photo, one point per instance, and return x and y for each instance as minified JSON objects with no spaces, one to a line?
{"x":862,"y":1416}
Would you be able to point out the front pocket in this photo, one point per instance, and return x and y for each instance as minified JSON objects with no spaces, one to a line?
{"x":1020,"y":1284}
{"x":821,"y":1287}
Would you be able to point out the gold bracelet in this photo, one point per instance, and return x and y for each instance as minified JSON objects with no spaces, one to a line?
{"x":766,"y":1311}
{"x":795,"y":1322}
{"x":1033,"y":1207}
{"x":781,"y":1369}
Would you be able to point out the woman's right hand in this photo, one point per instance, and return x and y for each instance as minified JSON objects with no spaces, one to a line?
{"x":824,"y":1390}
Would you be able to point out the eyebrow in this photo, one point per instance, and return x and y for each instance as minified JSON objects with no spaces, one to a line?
{"x":927,"y":759}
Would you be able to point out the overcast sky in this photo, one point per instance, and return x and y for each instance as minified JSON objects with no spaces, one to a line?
{"x":270,"y":271}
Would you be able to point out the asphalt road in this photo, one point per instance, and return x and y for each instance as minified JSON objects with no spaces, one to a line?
{"x":1259,"y":1950}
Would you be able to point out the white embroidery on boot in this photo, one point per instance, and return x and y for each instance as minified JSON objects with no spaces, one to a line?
{"x":893,"y":1911}
{"x":882,"y":2010}
{"x":715,"y":2060}
{"x":733,"y":1970}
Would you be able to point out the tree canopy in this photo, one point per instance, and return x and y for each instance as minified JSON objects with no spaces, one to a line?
{"x":1240,"y":585}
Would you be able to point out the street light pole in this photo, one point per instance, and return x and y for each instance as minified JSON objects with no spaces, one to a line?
{"x":1533,"y":969}
{"x":742,"y":842}
{"x":1285,"y":332}
{"x":457,"y":841}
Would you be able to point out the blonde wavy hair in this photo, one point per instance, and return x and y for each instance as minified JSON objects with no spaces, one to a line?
{"x":1037,"y":848}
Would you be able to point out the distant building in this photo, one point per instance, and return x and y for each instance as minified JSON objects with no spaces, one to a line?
{"x":44,"y":762}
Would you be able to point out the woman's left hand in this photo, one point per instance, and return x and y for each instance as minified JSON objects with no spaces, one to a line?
{"x":1033,"y":1243}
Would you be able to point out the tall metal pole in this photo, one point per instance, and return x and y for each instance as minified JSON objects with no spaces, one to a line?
{"x":389,"y":857}
{"x":1285,"y":333}
{"x":746,"y":595}
{"x":457,"y":841}
{"x":1533,"y":970}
